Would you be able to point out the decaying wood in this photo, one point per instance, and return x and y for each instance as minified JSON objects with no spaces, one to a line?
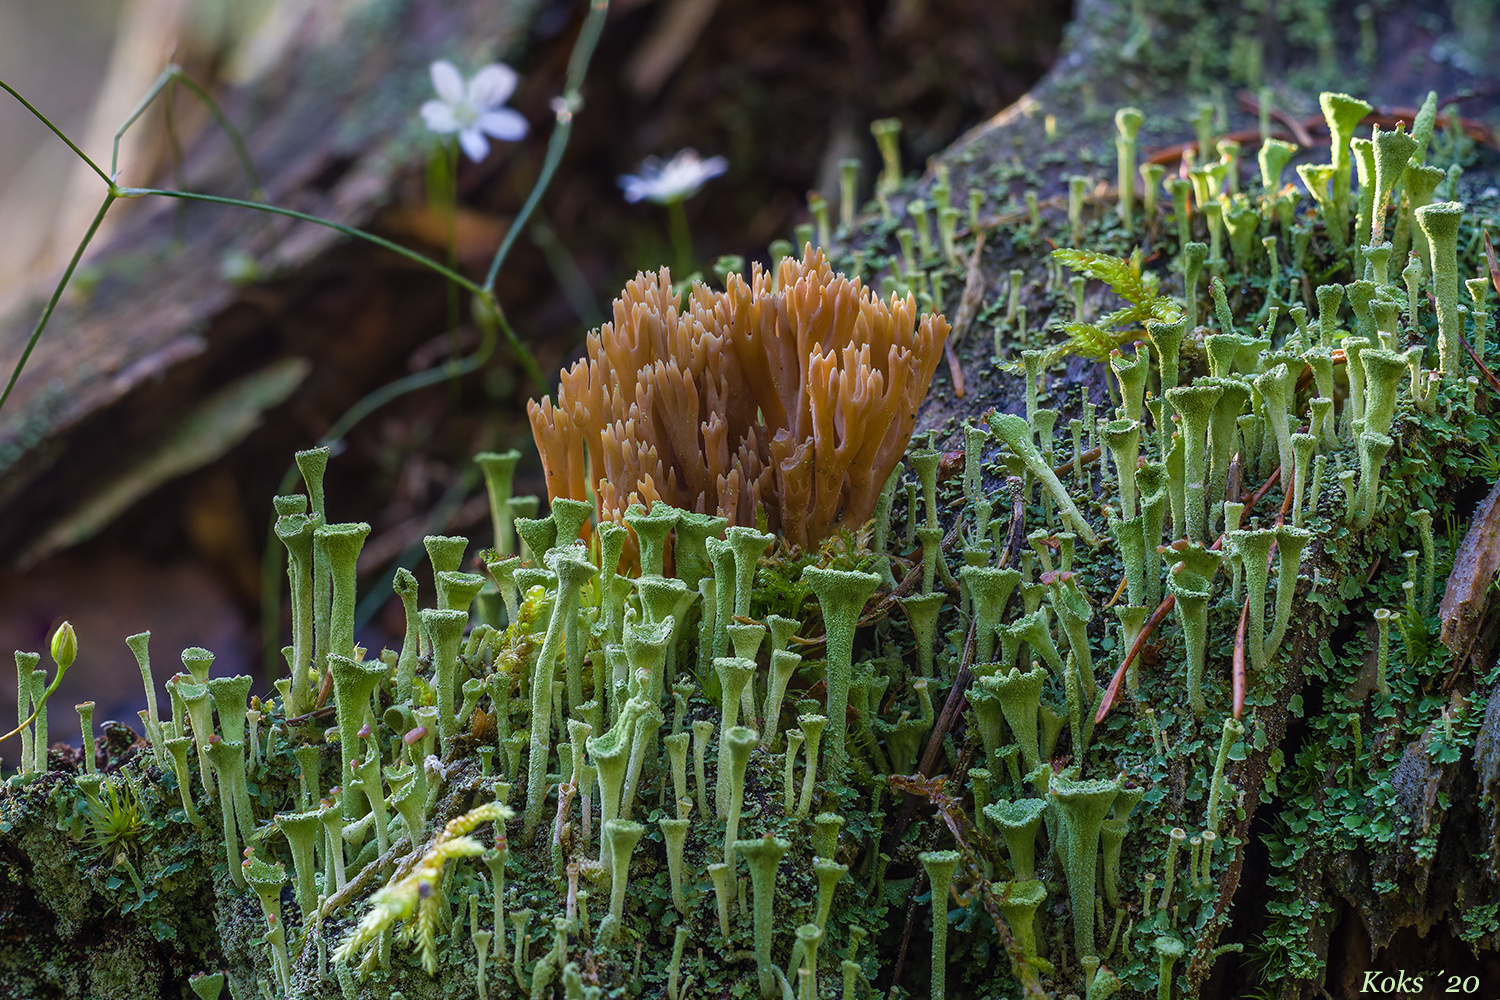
{"x":1474,"y":566}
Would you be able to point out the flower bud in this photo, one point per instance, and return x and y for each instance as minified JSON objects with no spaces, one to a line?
{"x":64,"y":646}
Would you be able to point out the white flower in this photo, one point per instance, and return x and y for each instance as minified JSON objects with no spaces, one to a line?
{"x":675,"y":180}
{"x":474,"y":110}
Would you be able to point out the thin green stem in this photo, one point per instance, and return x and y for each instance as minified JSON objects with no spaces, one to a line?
{"x":682,"y":238}
{"x":233,"y":134}
{"x":41,"y":323}
{"x":55,"y":130}
{"x":566,"y":107}
{"x":450,"y":240}
{"x":163,"y":80}
{"x":359,"y":234}
{"x":174,"y":74}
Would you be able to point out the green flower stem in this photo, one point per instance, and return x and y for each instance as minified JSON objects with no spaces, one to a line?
{"x":622,"y":836}
{"x":643,"y":742}
{"x":331,"y":816}
{"x":1128,"y":122}
{"x":370,"y":786}
{"x":1192,"y":593}
{"x":611,"y":756}
{"x":499,"y":469}
{"x":67,"y":275}
{"x":231,"y":697}
{"x":572,"y":572}
{"x":1233,"y":731}
{"x":703,"y":731}
{"x":138,"y":644}
{"x":1016,"y":433}
{"x":1018,"y":901}
{"x":1168,"y":950}
{"x":200,"y":711}
{"x":794,"y":740}
{"x":1440,"y":225}
{"x":85,"y":712}
{"x":740,"y":742}
{"x":25,"y":664}
{"x":721,"y":557}
{"x":1290,"y":544}
{"x":734,"y":675}
{"x":1254,"y":549}
{"x":1343,"y":114}
{"x":677,"y":754}
{"x":353,"y":684}
{"x":302,"y":831}
{"x":842,"y":595}
{"x":940,"y":866}
{"x":177,"y":748}
{"x":674,"y":834}
{"x":1175,"y":841}
{"x":494,"y":860}
{"x":518,"y":921}
{"x":267,"y":879}
{"x":763,"y":856}
{"x":1083,"y":806}
{"x":296,"y":532}
{"x":679,"y":941}
{"x":812,"y":729}
{"x":228,"y":758}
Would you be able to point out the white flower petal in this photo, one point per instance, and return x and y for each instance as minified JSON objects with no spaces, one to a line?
{"x":635,"y":187}
{"x":503,"y":124}
{"x":475,"y":145}
{"x":492,"y":86}
{"x":712,"y":167}
{"x":448,"y":81}
{"x":438,"y":117}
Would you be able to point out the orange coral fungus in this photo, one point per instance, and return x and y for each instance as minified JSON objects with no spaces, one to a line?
{"x":796,"y":399}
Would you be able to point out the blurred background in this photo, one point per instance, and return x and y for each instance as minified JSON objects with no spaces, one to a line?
{"x":127,"y":502}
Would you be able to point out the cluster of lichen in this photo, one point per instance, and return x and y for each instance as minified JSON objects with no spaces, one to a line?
{"x":680,"y":782}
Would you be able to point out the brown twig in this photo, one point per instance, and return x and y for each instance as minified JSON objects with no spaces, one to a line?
{"x":1239,"y":659}
{"x":1250,"y":101}
{"x":1087,"y":458}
